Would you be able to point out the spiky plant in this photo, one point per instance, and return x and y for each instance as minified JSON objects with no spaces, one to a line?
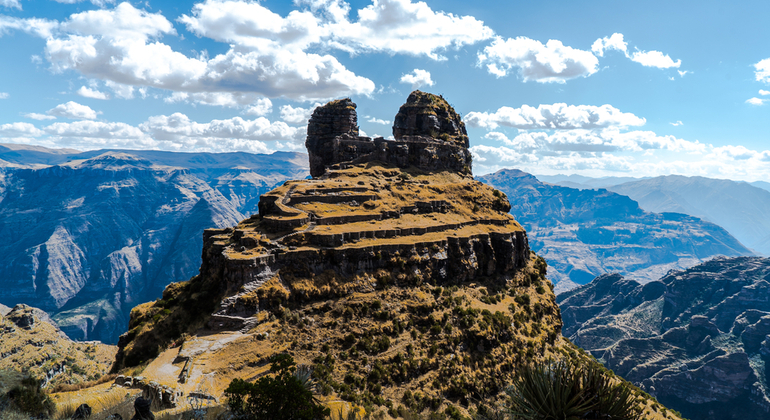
{"x":568,"y":391}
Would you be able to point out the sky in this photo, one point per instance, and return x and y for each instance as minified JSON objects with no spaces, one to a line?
{"x":597,"y":88}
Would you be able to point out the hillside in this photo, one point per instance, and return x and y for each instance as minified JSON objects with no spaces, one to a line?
{"x":695,"y":339}
{"x":586,"y":233}
{"x":32,"y":344}
{"x":90,"y":237}
{"x":400,"y":279}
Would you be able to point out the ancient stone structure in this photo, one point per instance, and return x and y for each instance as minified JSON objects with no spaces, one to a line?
{"x":428,"y":134}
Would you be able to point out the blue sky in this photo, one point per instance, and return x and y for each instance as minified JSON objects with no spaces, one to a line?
{"x":590,"y":87}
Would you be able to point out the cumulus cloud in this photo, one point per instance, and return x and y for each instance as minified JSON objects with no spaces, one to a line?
{"x":39,"y":117}
{"x":417,"y":78}
{"x":73,"y":110}
{"x":11,"y":4}
{"x":4,"y":95}
{"x":40,"y":27}
{"x":260,"y":108}
{"x":655,"y":59}
{"x":120,"y":90}
{"x":549,"y":63}
{"x":557,"y":116}
{"x":91,"y":93}
{"x":762,"y":70}
{"x":403,"y":27}
{"x":764,"y":92}
{"x":755,"y":101}
{"x":19,"y":129}
{"x":613,"y":42}
{"x":296,"y":115}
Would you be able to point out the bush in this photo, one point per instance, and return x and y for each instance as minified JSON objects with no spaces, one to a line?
{"x":286,"y":396}
{"x":566,"y":390}
{"x":29,"y":398}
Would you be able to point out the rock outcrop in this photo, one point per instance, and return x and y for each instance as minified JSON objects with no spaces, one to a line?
{"x":695,"y":339}
{"x":428,"y":133}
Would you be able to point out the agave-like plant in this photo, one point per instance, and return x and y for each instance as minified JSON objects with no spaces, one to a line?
{"x":565,"y":390}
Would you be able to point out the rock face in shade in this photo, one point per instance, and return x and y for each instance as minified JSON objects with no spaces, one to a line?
{"x":427,"y":115}
{"x":428,"y":133}
{"x":328,"y":122}
{"x":697,"y":340}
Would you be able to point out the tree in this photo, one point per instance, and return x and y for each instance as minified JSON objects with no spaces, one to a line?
{"x":288,"y":395}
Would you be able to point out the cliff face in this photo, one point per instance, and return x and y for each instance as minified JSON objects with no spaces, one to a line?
{"x":586,"y":233}
{"x":698,"y":339}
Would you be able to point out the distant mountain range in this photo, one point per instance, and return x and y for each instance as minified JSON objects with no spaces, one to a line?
{"x":88,"y":235}
{"x":586,"y":233}
{"x":741,"y":208}
{"x":698,"y":340}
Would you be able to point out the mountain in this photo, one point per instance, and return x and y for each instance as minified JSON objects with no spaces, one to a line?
{"x":762,"y":184}
{"x":400,"y":279}
{"x":98,"y":232}
{"x":741,"y":208}
{"x":586,"y":233}
{"x":698,"y":340}
{"x":585,"y":182}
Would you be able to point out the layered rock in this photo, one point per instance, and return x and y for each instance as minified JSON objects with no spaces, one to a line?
{"x":695,"y":339}
{"x":428,"y":133}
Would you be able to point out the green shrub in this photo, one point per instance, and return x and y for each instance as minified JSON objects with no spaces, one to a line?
{"x":286,"y":396}
{"x":566,"y":390}
{"x":29,"y":398}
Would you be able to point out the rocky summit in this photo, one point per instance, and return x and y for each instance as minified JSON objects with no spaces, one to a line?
{"x":401,"y":282}
{"x":428,"y":133}
{"x":698,"y":339}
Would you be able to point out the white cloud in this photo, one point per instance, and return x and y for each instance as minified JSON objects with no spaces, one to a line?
{"x":260,"y":108}
{"x":614,"y":42}
{"x":374,"y":120}
{"x":73,"y":110}
{"x":179,"y":127}
{"x":683,"y":72}
{"x":4,"y":95}
{"x":552,"y":62}
{"x":120,"y":90}
{"x":557,"y":116}
{"x":677,"y":124}
{"x":417,"y":78}
{"x":764,"y":92}
{"x":655,"y":59}
{"x":297,"y":115}
{"x":39,"y":27}
{"x":403,"y":27}
{"x":762,"y":72}
{"x":19,"y":129}
{"x":91,"y":93}
{"x":39,"y":117}
{"x":755,"y":101}
{"x":95,"y":129}
{"x":11,"y":4}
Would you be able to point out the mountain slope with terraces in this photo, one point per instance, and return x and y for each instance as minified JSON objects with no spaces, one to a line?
{"x":400,"y":279}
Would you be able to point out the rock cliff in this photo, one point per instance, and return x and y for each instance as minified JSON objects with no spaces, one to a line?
{"x":695,"y":339}
{"x":400,"y":284}
{"x":428,"y":133}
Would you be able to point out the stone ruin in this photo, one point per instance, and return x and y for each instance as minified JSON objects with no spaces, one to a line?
{"x":428,"y":134}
